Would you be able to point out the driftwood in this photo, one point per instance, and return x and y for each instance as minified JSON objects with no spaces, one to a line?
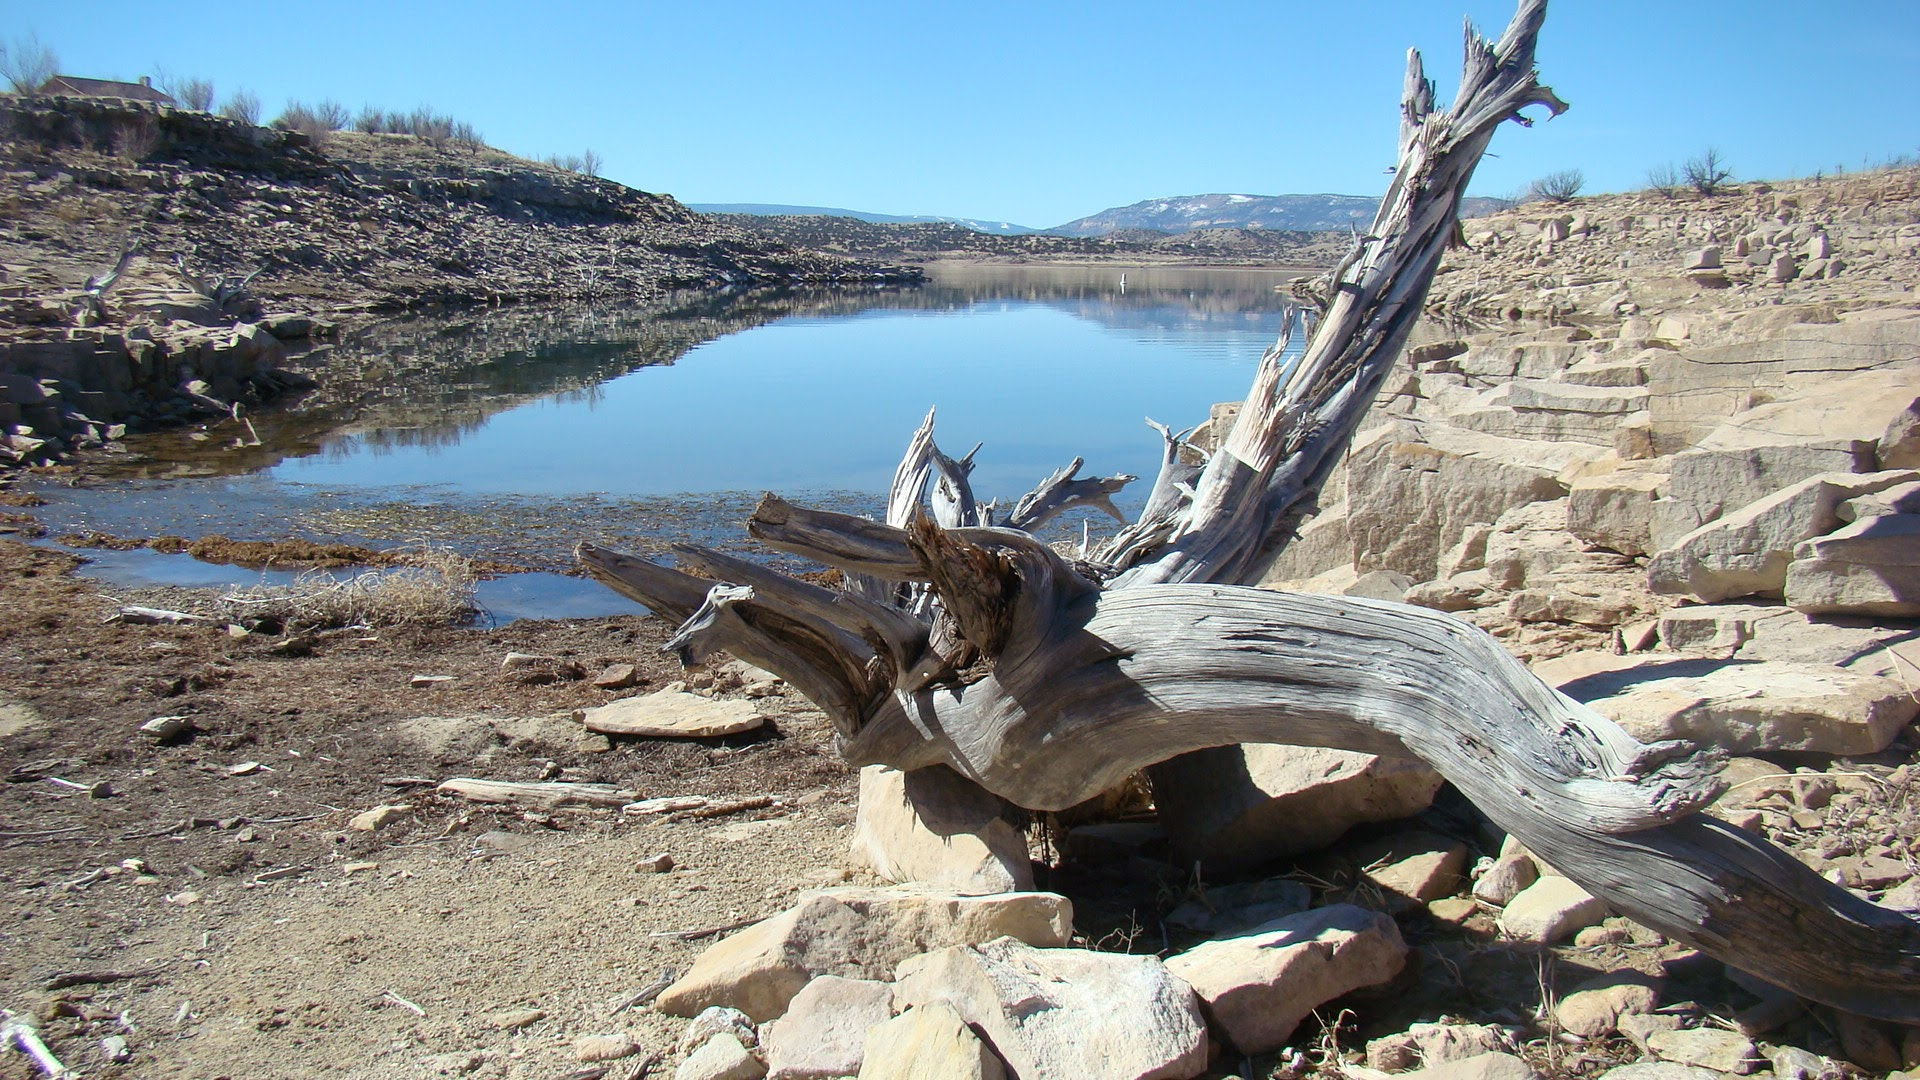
{"x":1047,"y":679}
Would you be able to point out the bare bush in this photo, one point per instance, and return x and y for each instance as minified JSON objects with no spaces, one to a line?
{"x":1558,"y":187}
{"x":27,"y":64}
{"x":370,"y":121}
{"x":587,"y":164}
{"x":1664,"y":180}
{"x":435,"y":588}
{"x":467,"y":137}
{"x":1707,"y":174}
{"x":590,"y":163}
{"x":242,"y":106}
{"x":190,"y":92}
{"x":136,"y":138}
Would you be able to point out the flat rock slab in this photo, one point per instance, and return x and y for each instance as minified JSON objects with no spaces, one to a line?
{"x":1707,"y":1048}
{"x":1066,"y":1012}
{"x":1739,"y":706}
{"x":1259,"y":986}
{"x":824,"y":1031}
{"x":672,"y":714}
{"x":857,"y":933}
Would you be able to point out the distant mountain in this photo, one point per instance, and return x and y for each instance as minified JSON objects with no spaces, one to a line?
{"x":993,"y":228}
{"x":1304,"y":213}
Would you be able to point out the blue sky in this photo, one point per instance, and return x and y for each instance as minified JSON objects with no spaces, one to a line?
{"x":1037,"y":112}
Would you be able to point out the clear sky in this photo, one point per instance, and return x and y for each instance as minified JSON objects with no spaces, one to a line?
{"x":1037,"y":112}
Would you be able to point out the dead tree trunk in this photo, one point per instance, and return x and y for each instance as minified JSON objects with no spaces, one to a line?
{"x":1046,"y":680}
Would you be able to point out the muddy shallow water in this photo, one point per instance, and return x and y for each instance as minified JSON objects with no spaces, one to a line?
{"x":514,"y":434}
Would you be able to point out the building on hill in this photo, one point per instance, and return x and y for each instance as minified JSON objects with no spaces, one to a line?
{"x":74,"y":86}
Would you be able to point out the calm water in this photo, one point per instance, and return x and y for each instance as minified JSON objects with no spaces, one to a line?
{"x":517,"y":433}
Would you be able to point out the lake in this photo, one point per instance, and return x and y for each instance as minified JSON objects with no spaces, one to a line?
{"x":515,"y":433}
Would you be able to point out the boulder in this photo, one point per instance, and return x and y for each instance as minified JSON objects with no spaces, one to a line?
{"x":1503,"y":878}
{"x":928,"y":1042}
{"x":1550,"y":910}
{"x":1614,"y":510}
{"x":1736,"y":705}
{"x":1714,"y":628}
{"x":672,"y":714}
{"x":936,"y":826}
{"x":824,"y":1030}
{"x":1259,"y":986}
{"x":1871,"y":567}
{"x":1413,"y":491}
{"x":1066,"y":1012}
{"x":858,"y":933}
{"x":1746,"y":553}
{"x":1239,"y":806}
{"x":1706,"y":258}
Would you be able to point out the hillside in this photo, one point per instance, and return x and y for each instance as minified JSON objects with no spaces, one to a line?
{"x":1000,"y":228}
{"x":362,"y":223}
{"x":1297,"y":213}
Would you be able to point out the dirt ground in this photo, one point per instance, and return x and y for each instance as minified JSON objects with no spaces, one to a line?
{"x":213,"y":908}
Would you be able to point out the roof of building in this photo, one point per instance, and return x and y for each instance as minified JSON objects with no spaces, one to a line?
{"x":79,"y":87}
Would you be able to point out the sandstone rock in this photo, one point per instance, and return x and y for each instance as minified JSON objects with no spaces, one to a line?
{"x":1782,"y":269}
{"x":858,"y":933}
{"x":1716,"y":628}
{"x":928,"y":1042}
{"x":617,"y":677}
{"x":1503,"y":878}
{"x":1552,"y":909}
{"x":1615,"y":510}
{"x":1418,"y":866}
{"x":1706,"y":1048}
{"x":721,"y":1057}
{"x":1746,"y":552}
{"x":612,"y":1047}
{"x":1898,"y":499}
{"x":1390,"y":585}
{"x":1738,"y":706}
{"x":1706,"y":258}
{"x":1866,"y":1043}
{"x":824,"y":1030}
{"x":936,"y":826}
{"x":672,"y":714}
{"x":1066,"y":1012}
{"x":1594,"y":1008}
{"x":1235,"y":807}
{"x":1871,"y":567}
{"x":1259,"y":986}
{"x":1439,"y":1044}
{"x":1900,"y":444}
{"x":1412,"y":492}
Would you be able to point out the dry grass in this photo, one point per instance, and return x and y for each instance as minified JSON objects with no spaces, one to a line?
{"x":435,"y":588}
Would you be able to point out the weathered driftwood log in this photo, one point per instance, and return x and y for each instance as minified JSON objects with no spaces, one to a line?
{"x":1047,"y":680}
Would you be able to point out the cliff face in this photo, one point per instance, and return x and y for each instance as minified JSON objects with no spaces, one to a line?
{"x":360,"y":222}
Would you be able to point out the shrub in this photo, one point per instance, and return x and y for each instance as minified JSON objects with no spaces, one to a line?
{"x":243,"y":106}
{"x":587,"y":164}
{"x":591,"y":162}
{"x":1707,"y":174}
{"x":465,"y":135}
{"x":1559,"y":186}
{"x":27,"y":64}
{"x":191,"y":93}
{"x":1664,"y":180}
{"x":436,"y":587}
{"x":135,"y":139}
{"x":371,"y":121}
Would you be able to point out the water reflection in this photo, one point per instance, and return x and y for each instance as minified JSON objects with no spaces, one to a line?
{"x":515,"y":432}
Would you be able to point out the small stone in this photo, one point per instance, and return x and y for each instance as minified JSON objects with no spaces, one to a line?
{"x":1660,"y":1070}
{"x":100,"y":789}
{"x":1793,"y":1063}
{"x":1594,"y":937}
{"x":356,"y":867}
{"x":1866,"y":1043}
{"x":379,"y":817}
{"x":671,"y":714}
{"x":515,"y":1019}
{"x":1421,"y":866}
{"x":503,"y":841}
{"x":604,"y":1047}
{"x":243,"y":768}
{"x":1453,"y":909}
{"x":527,"y":660}
{"x":1639,"y":1027}
{"x":617,"y":677}
{"x":657,"y":864}
{"x":115,"y":1049}
{"x":428,"y":682}
{"x":1551,"y":910}
{"x":715,"y":1020}
{"x":1594,"y":1008}
{"x":169,"y":728}
{"x":184,"y":898}
{"x":1708,"y":1048}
